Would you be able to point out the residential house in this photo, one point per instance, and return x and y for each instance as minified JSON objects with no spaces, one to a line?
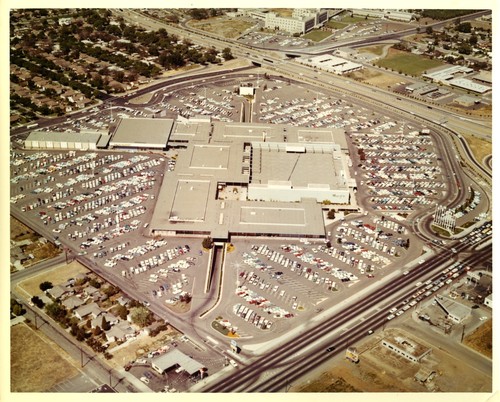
{"x":91,"y":310}
{"x":57,"y":292}
{"x":112,"y":319}
{"x":90,"y":290}
{"x":120,"y":332}
{"x":123,"y":301}
{"x":72,"y":302}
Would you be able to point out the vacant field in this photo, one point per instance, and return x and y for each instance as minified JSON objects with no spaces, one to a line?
{"x":481,"y":339}
{"x":480,"y":148}
{"x":37,"y":363}
{"x":377,"y":50}
{"x":375,"y":77}
{"x":380,"y":370}
{"x":317,"y":35}
{"x":407,"y":63}
{"x":57,"y":275}
{"x":223,"y":26}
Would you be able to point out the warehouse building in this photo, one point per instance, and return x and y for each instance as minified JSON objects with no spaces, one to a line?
{"x":59,"y":141}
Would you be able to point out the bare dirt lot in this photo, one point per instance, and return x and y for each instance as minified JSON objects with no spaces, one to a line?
{"x":223,"y":26}
{"x":481,"y":339}
{"x":57,"y":275}
{"x":381,"y":370}
{"x":374,"y":77}
{"x":480,"y":148}
{"x":37,"y":363}
{"x":141,"y":346}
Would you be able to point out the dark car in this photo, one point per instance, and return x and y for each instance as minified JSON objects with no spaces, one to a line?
{"x":330,"y":349}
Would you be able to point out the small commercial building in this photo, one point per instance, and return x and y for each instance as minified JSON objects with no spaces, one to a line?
{"x":455,"y":311}
{"x":407,"y":347}
{"x":330,"y":63}
{"x":175,"y":358}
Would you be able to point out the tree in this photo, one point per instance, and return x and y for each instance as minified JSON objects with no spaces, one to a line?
{"x":207,"y":243}
{"x":81,"y":334}
{"x":122,"y":312}
{"x":45,"y":286}
{"x":56,"y":311}
{"x":97,"y":331}
{"x":428,"y":30}
{"x":37,"y":301}
{"x":331,"y":214}
{"x":18,"y":310}
{"x":141,"y":316}
{"x":226,"y":53}
{"x":95,"y":283}
{"x":106,"y":326}
{"x":464,"y":27}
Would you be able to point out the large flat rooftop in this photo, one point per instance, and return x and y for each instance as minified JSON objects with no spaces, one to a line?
{"x":142,"y":133}
{"x":300,"y":166}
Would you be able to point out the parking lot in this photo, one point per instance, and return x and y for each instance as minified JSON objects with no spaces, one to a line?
{"x":102,"y":202}
{"x":277,"y":281}
{"x":400,"y":172}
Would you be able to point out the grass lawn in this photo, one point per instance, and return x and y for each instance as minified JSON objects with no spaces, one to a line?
{"x":57,"y":275}
{"x":336,"y":25}
{"x":317,"y":36}
{"x":408,"y":63}
{"x":353,"y":20}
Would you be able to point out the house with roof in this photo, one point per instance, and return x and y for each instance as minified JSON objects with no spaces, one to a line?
{"x":90,"y":291}
{"x":57,"y":292}
{"x":110,"y":318}
{"x":72,"y":302}
{"x":91,"y":310}
{"x":120,"y":332}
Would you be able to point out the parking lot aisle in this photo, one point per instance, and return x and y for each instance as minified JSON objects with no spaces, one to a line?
{"x":79,"y":383}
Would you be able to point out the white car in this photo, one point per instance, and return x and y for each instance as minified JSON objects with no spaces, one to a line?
{"x":144,"y":380}
{"x":233,"y":363}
